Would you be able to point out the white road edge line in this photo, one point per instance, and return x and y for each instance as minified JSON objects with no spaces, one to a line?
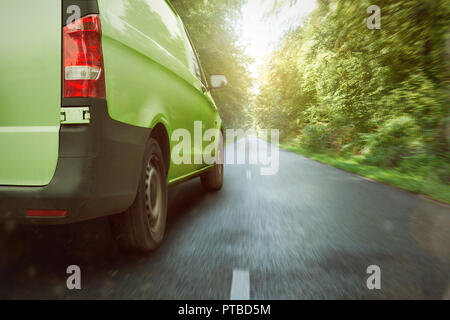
{"x":240,"y":285}
{"x":249,"y":174}
{"x":444,"y":205}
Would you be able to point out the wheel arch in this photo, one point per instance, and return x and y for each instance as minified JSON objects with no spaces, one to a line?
{"x":161,"y":135}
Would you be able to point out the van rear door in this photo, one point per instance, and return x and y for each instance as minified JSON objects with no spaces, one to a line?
{"x":30,"y":91}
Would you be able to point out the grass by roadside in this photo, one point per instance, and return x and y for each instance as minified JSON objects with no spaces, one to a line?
{"x":415,"y":183}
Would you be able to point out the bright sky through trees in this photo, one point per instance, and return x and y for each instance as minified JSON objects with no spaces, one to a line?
{"x":261,"y":31}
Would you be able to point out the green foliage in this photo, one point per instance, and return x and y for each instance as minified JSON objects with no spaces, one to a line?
{"x":393,"y":141}
{"x":335,"y":86}
{"x":317,"y":137}
{"x":211,"y":27}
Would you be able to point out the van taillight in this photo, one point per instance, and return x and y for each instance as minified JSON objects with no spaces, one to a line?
{"x":84,"y":73}
{"x":46,"y":213}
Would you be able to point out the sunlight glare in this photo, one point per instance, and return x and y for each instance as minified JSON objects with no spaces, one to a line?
{"x":261,"y":32}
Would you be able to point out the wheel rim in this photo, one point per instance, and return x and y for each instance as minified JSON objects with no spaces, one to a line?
{"x":153,"y":195}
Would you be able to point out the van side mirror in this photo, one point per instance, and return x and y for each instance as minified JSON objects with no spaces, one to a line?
{"x":218,"y":81}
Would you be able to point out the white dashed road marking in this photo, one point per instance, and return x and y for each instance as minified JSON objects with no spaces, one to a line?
{"x":240,"y":285}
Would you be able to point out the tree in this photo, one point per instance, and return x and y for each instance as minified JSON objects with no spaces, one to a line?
{"x":211,"y":25}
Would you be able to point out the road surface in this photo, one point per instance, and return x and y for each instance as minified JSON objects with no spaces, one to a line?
{"x":308,"y":232}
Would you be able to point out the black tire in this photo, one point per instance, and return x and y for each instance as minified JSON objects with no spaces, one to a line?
{"x":213,"y":179}
{"x":141,"y":228}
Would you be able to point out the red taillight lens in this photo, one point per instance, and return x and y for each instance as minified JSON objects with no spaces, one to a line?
{"x":84,"y":74}
{"x":46,"y":213}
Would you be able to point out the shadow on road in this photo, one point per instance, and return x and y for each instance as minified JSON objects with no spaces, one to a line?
{"x":36,"y":257}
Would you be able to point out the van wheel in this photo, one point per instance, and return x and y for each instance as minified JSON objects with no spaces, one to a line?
{"x":213,"y":179}
{"x":141,"y":228}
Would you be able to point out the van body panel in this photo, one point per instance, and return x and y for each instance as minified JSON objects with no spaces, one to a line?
{"x":149,"y":71}
{"x":30,"y":91}
{"x":97,"y":174}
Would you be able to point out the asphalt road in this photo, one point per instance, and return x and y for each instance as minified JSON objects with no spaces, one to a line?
{"x":308,"y":232}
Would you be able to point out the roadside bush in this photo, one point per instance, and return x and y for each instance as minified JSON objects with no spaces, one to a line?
{"x":316,"y":137}
{"x":396,"y":140}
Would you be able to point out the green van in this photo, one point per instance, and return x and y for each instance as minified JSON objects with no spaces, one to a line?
{"x":90,"y":94}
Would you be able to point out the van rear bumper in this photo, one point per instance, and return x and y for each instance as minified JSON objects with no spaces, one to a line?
{"x":97,"y":173}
